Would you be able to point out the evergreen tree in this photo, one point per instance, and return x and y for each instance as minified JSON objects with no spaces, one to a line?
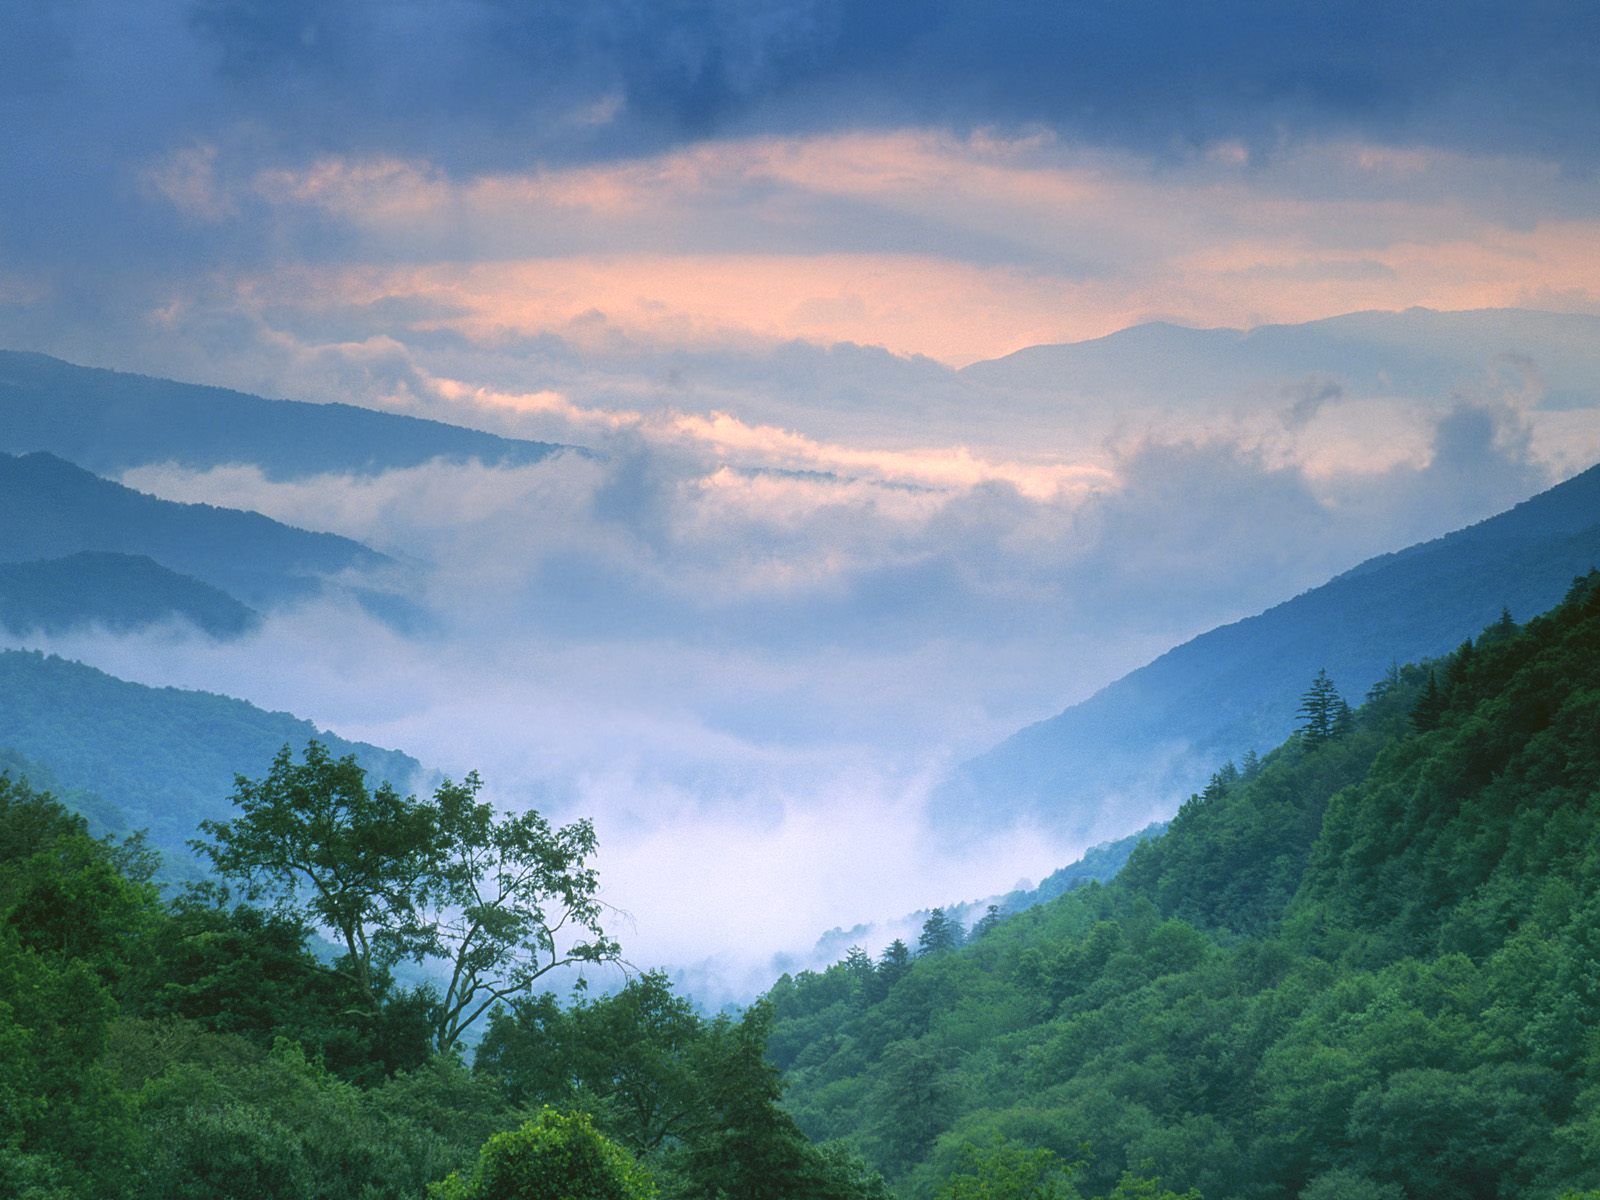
{"x":986,"y":923}
{"x":939,"y":933}
{"x":1221,"y":780}
{"x":892,"y":965}
{"x":1430,"y":707}
{"x":1502,"y":630}
{"x":1344,"y":719}
{"x":858,"y":964}
{"x":748,"y":1146}
{"x":913,"y":1102}
{"x":1390,"y":681}
{"x":1319,"y":711}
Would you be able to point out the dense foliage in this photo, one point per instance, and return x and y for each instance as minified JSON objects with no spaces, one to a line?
{"x":555,"y":1156}
{"x":194,"y":1048}
{"x":695,"y":1099}
{"x":1363,"y":966}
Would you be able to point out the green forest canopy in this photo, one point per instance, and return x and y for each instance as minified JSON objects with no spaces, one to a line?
{"x":1363,"y":966}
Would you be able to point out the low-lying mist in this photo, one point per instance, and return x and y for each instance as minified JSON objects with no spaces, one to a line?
{"x":750,"y":672}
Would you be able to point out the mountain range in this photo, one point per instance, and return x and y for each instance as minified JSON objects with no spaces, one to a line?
{"x":51,"y":509}
{"x":76,"y":548}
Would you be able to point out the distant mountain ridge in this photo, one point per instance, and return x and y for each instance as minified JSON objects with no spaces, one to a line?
{"x":50,"y":508}
{"x":1129,"y":753}
{"x":1417,"y":351}
{"x":109,"y":421}
{"x":119,"y":592}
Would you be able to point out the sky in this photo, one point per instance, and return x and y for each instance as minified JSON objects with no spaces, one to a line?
{"x":744,"y":251}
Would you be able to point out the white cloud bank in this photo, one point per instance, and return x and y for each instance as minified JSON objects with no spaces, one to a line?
{"x":747,"y":652}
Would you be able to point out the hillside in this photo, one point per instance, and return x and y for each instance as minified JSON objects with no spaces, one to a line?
{"x":1117,"y":759}
{"x":1360,"y":969}
{"x":109,"y":421}
{"x":119,"y":592}
{"x":52,"y":509}
{"x":161,"y":759}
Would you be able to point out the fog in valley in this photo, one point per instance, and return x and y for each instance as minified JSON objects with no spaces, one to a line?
{"x":748,"y":651}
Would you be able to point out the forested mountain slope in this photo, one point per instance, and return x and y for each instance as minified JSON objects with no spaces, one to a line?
{"x":1362,"y":968}
{"x":109,"y":421}
{"x":1158,"y":730}
{"x":119,"y":592}
{"x":159,"y":759}
{"x":50,"y":508}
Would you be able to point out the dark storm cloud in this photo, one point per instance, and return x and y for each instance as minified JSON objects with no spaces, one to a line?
{"x":1151,"y":74}
{"x":481,"y":83}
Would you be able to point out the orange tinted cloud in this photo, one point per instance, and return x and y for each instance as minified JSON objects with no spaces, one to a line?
{"x":751,"y":444}
{"x":997,"y":243}
{"x":961,"y":312}
{"x":952,"y":311}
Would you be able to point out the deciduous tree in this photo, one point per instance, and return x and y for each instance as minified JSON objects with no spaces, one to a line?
{"x":501,"y":901}
{"x":509,"y":899}
{"x":555,"y":1156}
